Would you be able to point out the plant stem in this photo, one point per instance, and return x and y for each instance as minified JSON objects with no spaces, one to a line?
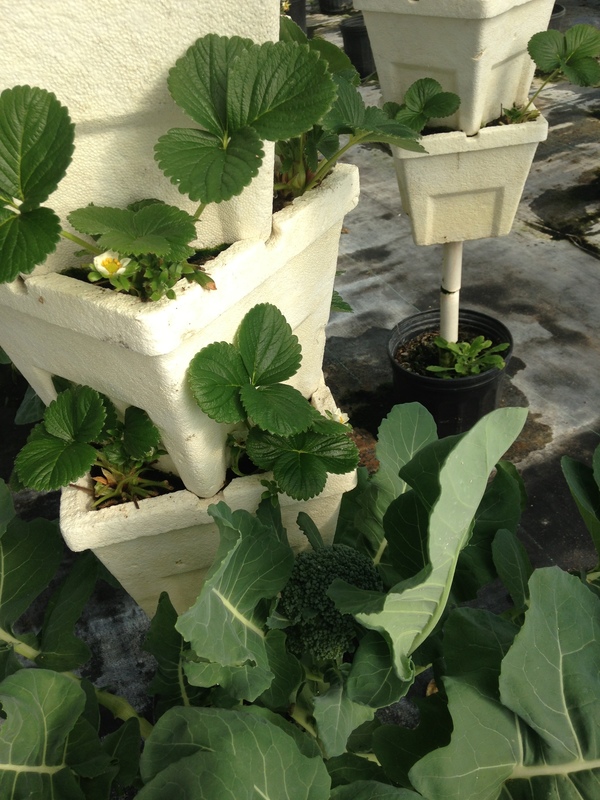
{"x":199,"y":210}
{"x":86,"y":245}
{"x":18,"y":646}
{"x":328,"y":164}
{"x":552,"y":77}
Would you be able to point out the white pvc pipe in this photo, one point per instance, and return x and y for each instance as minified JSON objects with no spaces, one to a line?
{"x":450,"y":290}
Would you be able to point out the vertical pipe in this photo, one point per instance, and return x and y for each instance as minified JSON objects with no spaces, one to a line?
{"x":450,"y":290}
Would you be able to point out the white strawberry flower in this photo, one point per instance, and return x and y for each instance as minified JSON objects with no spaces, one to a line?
{"x":110,"y":263}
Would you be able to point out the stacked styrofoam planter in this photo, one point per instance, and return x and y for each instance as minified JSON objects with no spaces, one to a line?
{"x":137,"y":353}
{"x":477,"y":49}
{"x":169,"y":542}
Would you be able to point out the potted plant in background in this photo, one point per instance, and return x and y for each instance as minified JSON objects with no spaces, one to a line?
{"x":461,"y":195}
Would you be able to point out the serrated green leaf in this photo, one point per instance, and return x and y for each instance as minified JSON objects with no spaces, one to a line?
{"x":156,"y":228}
{"x":215,"y":376}
{"x":582,"y":71}
{"x":30,"y":555}
{"x":198,"y":81}
{"x":26,"y":240}
{"x":269,"y":349}
{"x":547,"y":49}
{"x":46,"y":463}
{"x":583,"y":40}
{"x":280,"y":89}
{"x":231,"y":596}
{"x":337,"y":60}
{"x":192,"y":750}
{"x":289,"y":31}
{"x":60,"y":648}
{"x":338,"y":303}
{"x":206,"y":167}
{"x":427,"y":97}
{"x":36,"y":144}
{"x":348,"y":112}
{"x":141,"y":437}
{"x":41,"y":708}
{"x":77,"y":415}
{"x":279,"y":409}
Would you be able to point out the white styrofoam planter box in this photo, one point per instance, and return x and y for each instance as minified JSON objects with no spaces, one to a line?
{"x":169,"y":542}
{"x":467,"y":187}
{"x":475,"y":48}
{"x":108,"y":62}
{"x":138,"y":353}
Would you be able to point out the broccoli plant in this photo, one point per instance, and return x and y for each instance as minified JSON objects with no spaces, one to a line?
{"x":316,"y":627}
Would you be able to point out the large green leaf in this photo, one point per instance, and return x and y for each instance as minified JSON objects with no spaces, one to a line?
{"x":255,"y":566}
{"x":270,"y":351}
{"x":60,"y":648}
{"x":198,"y":81}
{"x":77,"y":415}
{"x":219,"y":754}
{"x":154,"y":228}
{"x":47,"y":463}
{"x":280,"y":89}
{"x":7,"y":509}
{"x":371,"y":790}
{"x":450,"y":477}
{"x":372,"y":680}
{"x":535,"y":731}
{"x":36,"y":144}
{"x":287,"y":671}
{"x":513,"y":566}
{"x":207,"y":167}
{"x":26,"y":240}
{"x":41,"y":710}
{"x":30,"y":553}
{"x":337,"y":716}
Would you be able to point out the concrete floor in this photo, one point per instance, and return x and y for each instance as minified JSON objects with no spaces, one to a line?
{"x":542,"y":281}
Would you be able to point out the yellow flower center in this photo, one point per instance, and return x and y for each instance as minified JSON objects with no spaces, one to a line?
{"x":111,"y":265}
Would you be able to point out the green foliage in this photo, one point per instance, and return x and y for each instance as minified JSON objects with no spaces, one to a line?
{"x":315,"y":626}
{"x":584,"y":485}
{"x":467,"y":358}
{"x":241,"y":382}
{"x":80,"y":430}
{"x":300,"y":164}
{"x":572,"y":55}
{"x":518,"y":710}
{"x":424,"y":100}
{"x":36,"y":145}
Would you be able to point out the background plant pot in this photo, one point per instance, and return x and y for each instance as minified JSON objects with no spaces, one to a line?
{"x":357,"y":45}
{"x":456,"y":404}
{"x":467,"y":187}
{"x":335,"y":6}
{"x":557,"y":19}
{"x":475,"y":48}
{"x":298,"y":13}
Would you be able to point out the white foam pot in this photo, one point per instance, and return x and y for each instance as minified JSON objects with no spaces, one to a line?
{"x":168,"y":543}
{"x":138,"y":353}
{"x":475,"y":48}
{"x":467,"y":187}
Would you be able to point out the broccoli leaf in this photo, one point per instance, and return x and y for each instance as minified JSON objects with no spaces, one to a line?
{"x":254,"y":567}
{"x":337,"y":716}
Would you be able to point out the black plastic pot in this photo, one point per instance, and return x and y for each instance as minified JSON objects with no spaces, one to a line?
{"x":357,"y":45}
{"x":335,"y":6}
{"x":298,"y":13}
{"x":456,"y":404}
{"x":557,"y":19}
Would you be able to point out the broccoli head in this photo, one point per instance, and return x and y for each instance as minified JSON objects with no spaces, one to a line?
{"x":316,"y":627}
